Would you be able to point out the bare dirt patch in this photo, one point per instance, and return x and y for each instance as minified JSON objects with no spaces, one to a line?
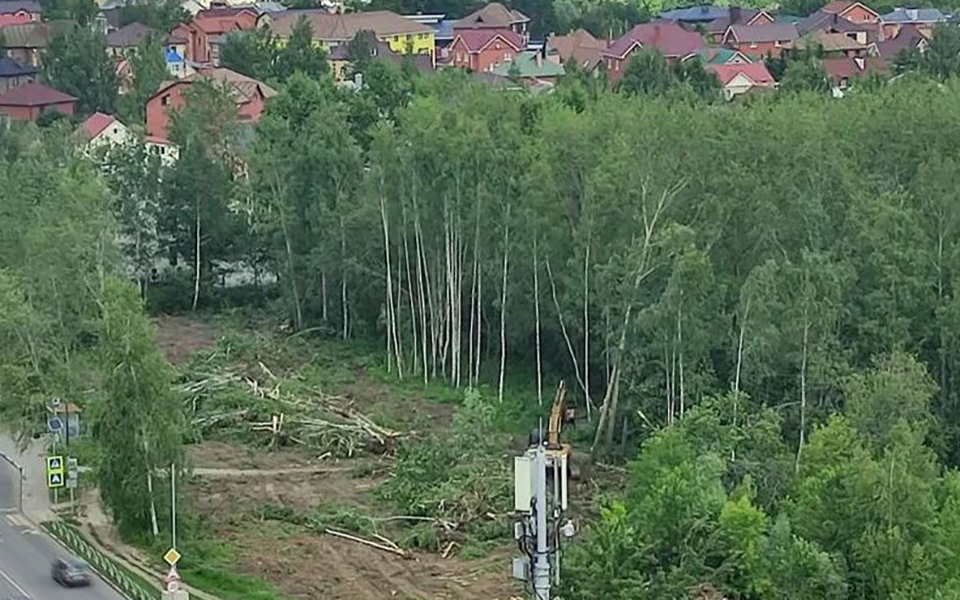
{"x":181,"y":337}
{"x":305,"y":565}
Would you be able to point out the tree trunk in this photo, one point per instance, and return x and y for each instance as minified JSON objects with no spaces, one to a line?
{"x":586,"y":330}
{"x":536,"y":308}
{"x":503,"y":304}
{"x":803,"y":389}
{"x":196,"y":279}
{"x":298,"y":314}
{"x":343,"y":281}
{"x":743,"y":328}
{"x":566,"y":337}
{"x":391,"y":330}
{"x":680,"y":353}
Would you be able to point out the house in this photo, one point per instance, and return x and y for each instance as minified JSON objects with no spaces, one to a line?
{"x":713,"y":55}
{"x":124,"y":41}
{"x":32,"y":100}
{"x":484,"y":49}
{"x":666,"y":37}
{"x":715,"y":30}
{"x":695,"y":15}
{"x":759,"y":41}
{"x":496,"y":16}
{"x":532,"y":67}
{"x":923,"y":19}
{"x":908,"y":38}
{"x":865,"y":33}
{"x":176,"y":65}
{"x":168,"y":152}
{"x":340,"y":59}
{"x":201,"y":37}
{"x":844,"y":71}
{"x":738,"y":79}
{"x":14,"y":75}
{"x":249,"y":94}
{"x":580,"y":47}
{"x":329,"y":30}
{"x":442,"y":31}
{"x":26,"y":43}
{"x":102,"y":130}
{"x":18,"y":12}
{"x":855,"y":12}
{"x":830,"y":44}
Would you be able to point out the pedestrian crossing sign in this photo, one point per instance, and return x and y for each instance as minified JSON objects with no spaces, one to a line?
{"x":56,"y":475}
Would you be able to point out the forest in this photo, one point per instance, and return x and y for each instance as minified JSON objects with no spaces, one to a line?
{"x":757,"y":305}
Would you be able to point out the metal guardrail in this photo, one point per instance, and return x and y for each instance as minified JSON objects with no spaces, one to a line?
{"x":105,"y":567}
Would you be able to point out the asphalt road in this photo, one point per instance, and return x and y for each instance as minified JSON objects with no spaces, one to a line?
{"x":26,"y":555}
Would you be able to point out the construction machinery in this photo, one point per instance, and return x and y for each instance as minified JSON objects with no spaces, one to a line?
{"x":560,"y":415}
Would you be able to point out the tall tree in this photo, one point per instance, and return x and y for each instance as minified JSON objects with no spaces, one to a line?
{"x":77,"y":63}
{"x":301,"y":54}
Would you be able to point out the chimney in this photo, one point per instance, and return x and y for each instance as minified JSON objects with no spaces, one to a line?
{"x":734,"y":15}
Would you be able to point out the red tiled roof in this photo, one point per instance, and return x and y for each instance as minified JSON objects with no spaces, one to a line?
{"x":477,"y":39}
{"x":97,"y":122}
{"x":665,"y":36}
{"x":757,"y":72}
{"x":837,"y":7}
{"x":34,"y":94}
{"x":156,"y":139}
{"x":850,"y":68}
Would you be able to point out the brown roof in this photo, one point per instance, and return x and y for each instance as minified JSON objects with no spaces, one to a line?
{"x":342,"y":28}
{"x":772,"y":32}
{"x":493,"y":15}
{"x":845,"y":67}
{"x":34,"y":35}
{"x":97,"y":122}
{"x":666,"y":37}
{"x":34,"y":94}
{"x":580,"y":45}
{"x":243,"y":89}
{"x":841,"y":6}
{"x":830,"y":42}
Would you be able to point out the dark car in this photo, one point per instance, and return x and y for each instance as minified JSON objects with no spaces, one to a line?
{"x":70,"y":572}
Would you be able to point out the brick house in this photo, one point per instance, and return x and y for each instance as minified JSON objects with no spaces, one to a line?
{"x":922,"y":19}
{"x":715,"y":30}
{"x":759,"y":41}
{"x":845,"y":71}
{"x":908,"y":38}
{"x":250,"y":95}
{"x":202,"y":36}
{"x":18,"y":12}
{"x":495,"y":16}
{"x":579,"y":46}
{"x":855,"y":12}
{"x":483,"y":49}
{"x":666,"y":37}
{"x":124,"y":41}
{"x":31,"y":101}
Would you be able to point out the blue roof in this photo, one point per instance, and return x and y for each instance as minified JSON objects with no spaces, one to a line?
{"x":11,"y":68}
{"x":915,"y":15}
{"x":696,"y":14}
{"x":444,"y":29}
{"x":173,"y":57}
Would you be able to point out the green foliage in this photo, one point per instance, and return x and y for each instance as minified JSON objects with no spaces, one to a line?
{"x":149,"y":71}
{"x":76,"y":63}
{"x":138,"y":421}
{"x":252,"y":53}
{"x":162,"y":15}
{"x":804,"y":76}
{"x":646,"y":73}
{"x":460,"y":476}
{"x":300,"y":54}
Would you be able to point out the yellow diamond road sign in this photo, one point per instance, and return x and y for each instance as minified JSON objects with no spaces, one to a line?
{"x":172,"y":557}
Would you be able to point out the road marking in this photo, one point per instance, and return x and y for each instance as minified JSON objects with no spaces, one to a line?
{"x":19,"y":521}
{"x":7,"y":511}
{"x":14,"y":584}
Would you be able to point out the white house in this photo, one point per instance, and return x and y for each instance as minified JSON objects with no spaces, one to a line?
{"x":104,"y":130}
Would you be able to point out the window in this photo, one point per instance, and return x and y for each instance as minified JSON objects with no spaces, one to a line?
{"x":777,"y":43}
{"x":753,"y":44}
{"x":409,"y":37}
{"x":165,"y":101}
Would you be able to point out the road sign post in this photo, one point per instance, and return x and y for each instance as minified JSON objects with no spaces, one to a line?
{"x":56,"y":472}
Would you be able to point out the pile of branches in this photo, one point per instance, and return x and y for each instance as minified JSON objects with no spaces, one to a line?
{"x":231,"y":403}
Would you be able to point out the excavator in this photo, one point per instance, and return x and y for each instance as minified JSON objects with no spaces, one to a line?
{"x":559,"y":416}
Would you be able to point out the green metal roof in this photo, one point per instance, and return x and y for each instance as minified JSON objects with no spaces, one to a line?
{"x":526,"y":63}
